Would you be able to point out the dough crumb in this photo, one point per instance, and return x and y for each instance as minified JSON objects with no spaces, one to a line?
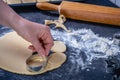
{"x":58,"y":23}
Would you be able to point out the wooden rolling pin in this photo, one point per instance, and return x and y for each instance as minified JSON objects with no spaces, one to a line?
{"x":85,"y":12}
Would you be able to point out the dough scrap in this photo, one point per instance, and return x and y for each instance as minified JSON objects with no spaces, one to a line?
{"x":58,"y":47}
{"x":58,"y":23}
{"x":14,"y":52}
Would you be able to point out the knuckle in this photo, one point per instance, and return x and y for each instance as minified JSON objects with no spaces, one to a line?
{"x":51,"y":44}
{"x":47,"y":28}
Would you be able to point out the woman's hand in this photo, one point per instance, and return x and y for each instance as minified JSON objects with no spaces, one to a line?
{"x":39,"y":35}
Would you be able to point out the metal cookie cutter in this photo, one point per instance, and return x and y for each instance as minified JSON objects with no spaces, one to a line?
{"x":36,"y":63}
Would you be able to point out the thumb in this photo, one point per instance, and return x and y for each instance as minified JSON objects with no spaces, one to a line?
{"x":38,"y":47}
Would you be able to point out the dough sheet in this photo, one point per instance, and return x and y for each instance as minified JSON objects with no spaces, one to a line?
{"x":14,"y":53}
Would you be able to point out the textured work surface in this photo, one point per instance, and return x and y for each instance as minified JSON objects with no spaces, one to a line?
{"x":97,"y":70}
{"x":117,"y":2}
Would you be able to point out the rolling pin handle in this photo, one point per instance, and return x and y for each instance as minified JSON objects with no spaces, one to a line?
{"x":47,"y":6}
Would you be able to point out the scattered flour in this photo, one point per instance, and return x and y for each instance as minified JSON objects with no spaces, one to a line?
{"x":85,"y":46}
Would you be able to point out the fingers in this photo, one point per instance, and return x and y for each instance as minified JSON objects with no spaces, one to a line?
{"x":38,"y":47}
{"x":42,"y":41}
{"x":42,"y":45}
{"x":48,"y":48}
{"x":48,"y":43}
{"x":32,"y":48}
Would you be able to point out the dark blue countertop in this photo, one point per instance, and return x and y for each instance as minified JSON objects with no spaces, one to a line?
{"x":63,"y":73}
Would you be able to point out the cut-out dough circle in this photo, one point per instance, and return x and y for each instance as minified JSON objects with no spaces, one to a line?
{"x":58,"y":47}
{"x":14,"y":52}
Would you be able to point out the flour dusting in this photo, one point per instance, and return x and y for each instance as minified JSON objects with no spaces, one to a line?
{"x":85,"y":46}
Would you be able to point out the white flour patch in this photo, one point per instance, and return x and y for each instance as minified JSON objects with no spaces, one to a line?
{"x":85,"y":46}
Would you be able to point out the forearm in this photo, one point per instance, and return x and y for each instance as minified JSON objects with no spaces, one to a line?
{"x":8,"y":17}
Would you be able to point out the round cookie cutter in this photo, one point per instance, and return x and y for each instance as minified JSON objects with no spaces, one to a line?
{"x":36,"y":63}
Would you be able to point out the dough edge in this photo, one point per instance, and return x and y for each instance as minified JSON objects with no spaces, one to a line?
{"x":34,"y":73}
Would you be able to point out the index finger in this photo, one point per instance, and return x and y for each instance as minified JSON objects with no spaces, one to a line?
{"x":48,"y":42}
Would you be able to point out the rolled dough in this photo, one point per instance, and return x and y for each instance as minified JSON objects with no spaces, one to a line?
{"x":28,"y":1}
{"x":13,"y":1}
{"x":42,"y":0}
{"x":58,"y":47}
{"x":14,"y":52}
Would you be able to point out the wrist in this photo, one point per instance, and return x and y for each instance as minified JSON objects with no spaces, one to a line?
{"x":15,"y":21}
{"x":18,"y":24}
